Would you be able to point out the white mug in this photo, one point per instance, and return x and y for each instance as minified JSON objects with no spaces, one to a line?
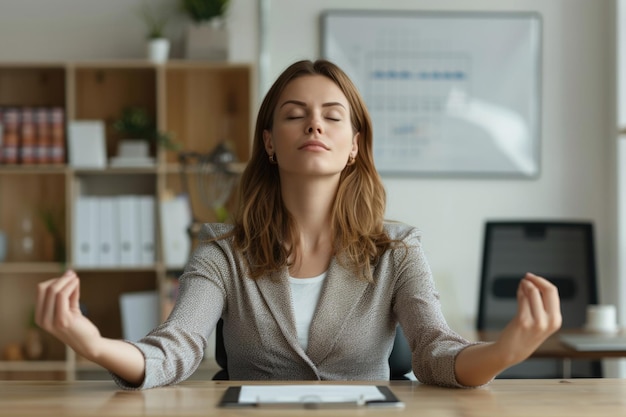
{"x":601,"y":318}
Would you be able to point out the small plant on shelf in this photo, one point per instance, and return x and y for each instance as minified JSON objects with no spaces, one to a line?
{"x":201,"y":11}
{"x":136,"y":123}
{"x":155,"y":22}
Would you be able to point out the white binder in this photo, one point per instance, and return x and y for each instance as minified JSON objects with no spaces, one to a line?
{"x":107,"y":241}
{"x":128,"y":227}
{"x":85,"y":231}
{"x":147,"y":227}
{"x":175,"y":219}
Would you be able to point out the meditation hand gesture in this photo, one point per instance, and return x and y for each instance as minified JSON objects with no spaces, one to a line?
{"x":58,"y":312}
{"x":538,"y":316}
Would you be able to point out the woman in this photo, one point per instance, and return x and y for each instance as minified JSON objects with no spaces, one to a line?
{"x":310,"y":280}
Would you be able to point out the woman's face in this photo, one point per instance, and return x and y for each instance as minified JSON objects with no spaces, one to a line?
{"x":312,"y":131}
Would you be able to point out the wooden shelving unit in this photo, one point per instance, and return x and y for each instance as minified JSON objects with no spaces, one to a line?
{"x":201,"y":104}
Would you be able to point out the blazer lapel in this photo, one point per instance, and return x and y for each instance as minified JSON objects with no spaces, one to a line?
{"x":276,"y":293}
{"x":341,"y":292}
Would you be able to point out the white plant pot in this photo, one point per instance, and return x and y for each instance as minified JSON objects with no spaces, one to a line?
{"x":158,"y":50}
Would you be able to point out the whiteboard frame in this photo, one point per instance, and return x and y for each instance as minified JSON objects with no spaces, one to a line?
{"x":508,"y":156}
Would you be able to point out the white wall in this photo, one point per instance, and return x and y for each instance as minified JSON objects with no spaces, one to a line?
{"x":577,"y":177}
{"x":577,"y":126}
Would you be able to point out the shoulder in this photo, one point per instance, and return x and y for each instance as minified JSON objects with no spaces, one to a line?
{"x":214,"y":243}
{"x":402,"y":232}
{"x":211,"y":231}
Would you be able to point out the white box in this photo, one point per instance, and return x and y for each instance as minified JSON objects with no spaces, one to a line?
{"x":86,"y":143}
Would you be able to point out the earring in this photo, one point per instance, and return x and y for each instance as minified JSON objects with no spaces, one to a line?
{"x":351,"y":160}
{"x":273,"y":160}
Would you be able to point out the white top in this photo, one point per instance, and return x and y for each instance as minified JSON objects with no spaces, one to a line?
{"x":305,"y":293}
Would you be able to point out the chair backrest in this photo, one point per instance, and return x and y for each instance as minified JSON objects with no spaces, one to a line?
{"x":400,"y":359}
{"x":562,"y":252}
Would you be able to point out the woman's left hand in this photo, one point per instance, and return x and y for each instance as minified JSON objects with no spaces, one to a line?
{"x":538,"y":316}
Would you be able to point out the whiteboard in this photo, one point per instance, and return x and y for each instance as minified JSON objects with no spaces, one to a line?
{"x":449,"y":93}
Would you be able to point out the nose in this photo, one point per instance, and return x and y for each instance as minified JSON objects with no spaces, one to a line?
{"x":314,"y":126}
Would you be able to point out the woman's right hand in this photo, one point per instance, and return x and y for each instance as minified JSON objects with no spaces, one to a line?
{"x":57,"y":311}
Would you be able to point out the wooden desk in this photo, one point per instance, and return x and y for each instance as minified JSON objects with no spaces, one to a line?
{"x":501,"y":398}
{"x":554,"y":349}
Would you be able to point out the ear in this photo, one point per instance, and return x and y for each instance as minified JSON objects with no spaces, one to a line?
{"x":268,"y":142}
{"x":355,"y":145}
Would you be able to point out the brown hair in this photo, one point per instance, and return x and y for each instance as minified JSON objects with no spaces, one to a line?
{"x":263,"y":223}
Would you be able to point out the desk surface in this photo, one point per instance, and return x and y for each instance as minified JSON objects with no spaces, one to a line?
{"x":501,"y":398}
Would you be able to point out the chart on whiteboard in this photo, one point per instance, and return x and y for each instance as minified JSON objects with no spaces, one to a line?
{"x":448,"y":95}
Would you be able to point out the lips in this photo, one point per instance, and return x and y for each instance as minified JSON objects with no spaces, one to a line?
{"x":314,"y":144}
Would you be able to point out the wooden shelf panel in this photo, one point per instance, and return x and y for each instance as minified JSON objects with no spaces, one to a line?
{"x":115,"y":89}
{"x":30,"y":85}
{"x":207,"y":106}
{"x":100,"y":292}
{"x":31,"y":268}
{"x":32,"y":366}
{"x":27,"y":199}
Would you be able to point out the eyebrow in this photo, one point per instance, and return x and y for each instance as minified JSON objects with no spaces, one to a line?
{"x":303,"y":104}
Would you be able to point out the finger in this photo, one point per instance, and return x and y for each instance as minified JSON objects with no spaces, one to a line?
{"x":51,"y":297}
{"x":533,"y":295}
{"x":75,"y":296}
{"x":549,"y":294}
{"x":42,"y":288}
{"x":523,"y":307}
{"x":62,"y":304}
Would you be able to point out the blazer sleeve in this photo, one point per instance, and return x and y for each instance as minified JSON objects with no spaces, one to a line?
{"x":418,"y":309}
{"x":174,"y":350}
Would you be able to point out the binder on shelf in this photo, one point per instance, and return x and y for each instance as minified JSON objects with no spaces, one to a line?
{"x":175,"y":218}
{"x":85,"y":231}
{"x":147,"y":226}
{"x":140,"y":313}
{"x":108,"y":241}
{"x":128,"y":227}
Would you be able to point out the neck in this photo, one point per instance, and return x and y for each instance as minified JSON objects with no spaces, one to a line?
{"x":310,"y":202}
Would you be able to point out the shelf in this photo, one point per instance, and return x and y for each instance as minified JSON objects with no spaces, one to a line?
{"x":117,"y":171}
{"x":173,"y":168}
{"x":33,"y":366}
{"x":200,"y":104}
{"x":121,"y":268}
{"x":33,"y":169}
{"x":31,"y":268}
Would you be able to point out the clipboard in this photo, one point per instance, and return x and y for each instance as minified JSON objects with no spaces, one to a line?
{"x":232,"y":395}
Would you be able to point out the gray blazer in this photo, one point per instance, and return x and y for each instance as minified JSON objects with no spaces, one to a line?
{"x":351,"y":335}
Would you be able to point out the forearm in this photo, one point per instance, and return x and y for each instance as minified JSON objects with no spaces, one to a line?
{"x":121,"y":358}
{"x":478,"y":364}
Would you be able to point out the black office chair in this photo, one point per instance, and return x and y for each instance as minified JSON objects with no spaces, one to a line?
{"x":562,"y":252}
{"x":399,"y":359}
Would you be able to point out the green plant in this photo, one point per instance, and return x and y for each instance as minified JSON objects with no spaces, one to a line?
{"x":156,"y":22}
{"x":54,"y":224}
{"x":136,"y":123}
{"x":204,"y":10}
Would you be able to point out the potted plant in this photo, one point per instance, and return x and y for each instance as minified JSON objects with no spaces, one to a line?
{"x":158,"y":47}
{"x":137,"y":131}
{"x":207,"y":35}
